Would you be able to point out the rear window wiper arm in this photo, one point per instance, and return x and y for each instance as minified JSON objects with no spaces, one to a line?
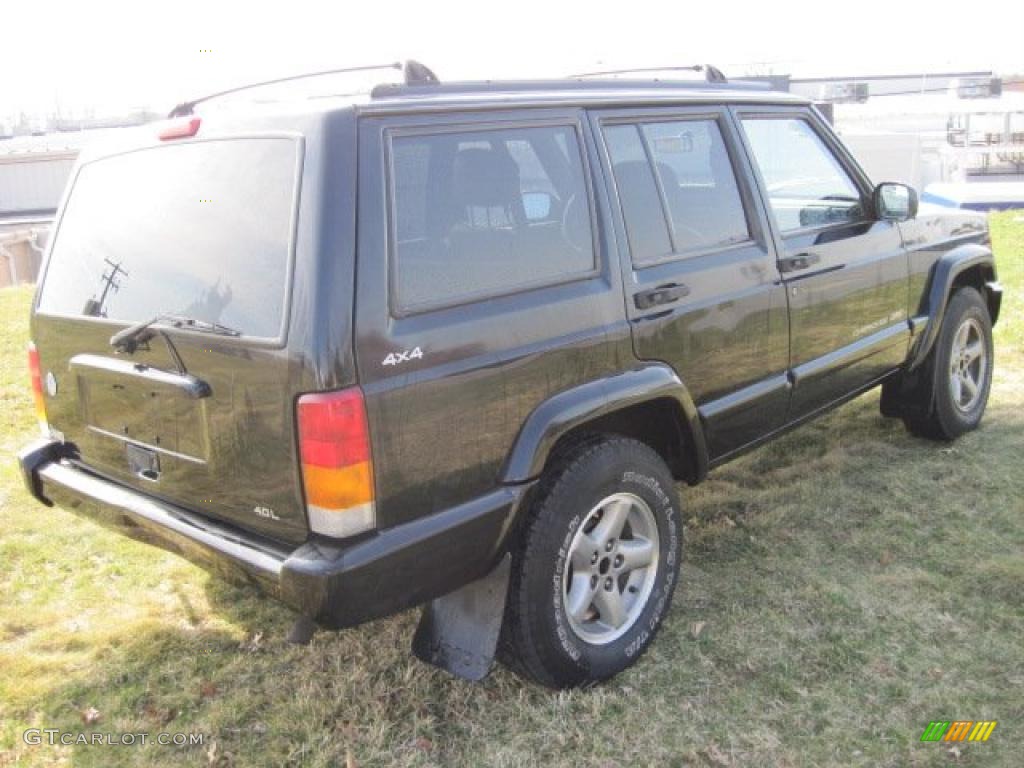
{"x":128,"y":339}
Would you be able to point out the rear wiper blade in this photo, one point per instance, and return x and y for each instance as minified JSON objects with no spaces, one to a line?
{"x":195,"y":324}
{"x":127,"y":340}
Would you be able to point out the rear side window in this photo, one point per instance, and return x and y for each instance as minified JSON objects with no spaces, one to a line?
{"x":680,"y":172}
{"x":201,"y":229}
{"x":487,"y":212}
{"x":806,"y":185}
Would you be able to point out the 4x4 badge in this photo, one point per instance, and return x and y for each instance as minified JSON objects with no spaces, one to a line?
{"x":394,"y":358}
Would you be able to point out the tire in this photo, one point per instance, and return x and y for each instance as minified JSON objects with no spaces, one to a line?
{"x":615,"y":497}
{"x":954,"y":392}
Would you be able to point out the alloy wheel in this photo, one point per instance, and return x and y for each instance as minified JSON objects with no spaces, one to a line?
{"x":613,"y":561}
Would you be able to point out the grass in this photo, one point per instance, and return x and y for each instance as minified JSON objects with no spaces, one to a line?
{"x":843,"y":586}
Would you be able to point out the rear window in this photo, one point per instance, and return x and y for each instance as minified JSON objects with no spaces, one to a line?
{"x":201,"y":229}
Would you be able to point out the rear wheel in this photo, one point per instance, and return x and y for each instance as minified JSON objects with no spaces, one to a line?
{"x":594,"y":574}
{"x":958,"y":373}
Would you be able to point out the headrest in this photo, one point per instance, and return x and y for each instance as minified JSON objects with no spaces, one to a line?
{"x":485,"y":177}
{"x":631,"y":172}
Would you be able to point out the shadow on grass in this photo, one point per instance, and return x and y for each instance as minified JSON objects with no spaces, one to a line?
{"x":244,"y":688}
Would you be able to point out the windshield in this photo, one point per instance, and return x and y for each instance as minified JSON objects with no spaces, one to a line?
{"x":201,"y":229}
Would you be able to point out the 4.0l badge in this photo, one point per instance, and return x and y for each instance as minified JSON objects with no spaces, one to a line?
{"x":266,"y":512}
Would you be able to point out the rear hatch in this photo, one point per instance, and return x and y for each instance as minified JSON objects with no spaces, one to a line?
{"x":197,"y":408}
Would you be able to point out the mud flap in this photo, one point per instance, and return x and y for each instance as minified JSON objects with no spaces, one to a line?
{"x":302,"y":631}
{"x":459,"y":632}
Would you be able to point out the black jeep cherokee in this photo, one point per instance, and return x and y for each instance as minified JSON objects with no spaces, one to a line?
{"x":457,"y":344}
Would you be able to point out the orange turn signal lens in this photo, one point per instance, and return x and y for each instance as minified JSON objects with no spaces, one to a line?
{"x":338,"y":487}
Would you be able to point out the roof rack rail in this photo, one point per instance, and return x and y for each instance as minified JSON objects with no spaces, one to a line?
{"x":413,"y":73}
{"x":711,"y":73}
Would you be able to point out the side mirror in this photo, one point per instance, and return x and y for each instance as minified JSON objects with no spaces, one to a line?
{"x":537,"y":205}
{"x":894,"y":201}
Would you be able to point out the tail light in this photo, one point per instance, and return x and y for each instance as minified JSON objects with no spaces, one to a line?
{"x":36,"y":374}
{"x":337,"y":473}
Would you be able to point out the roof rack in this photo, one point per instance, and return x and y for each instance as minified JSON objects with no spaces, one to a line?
{"x":413,"y":73}
{"x":507,"y":87}
{"x":711,"y":73}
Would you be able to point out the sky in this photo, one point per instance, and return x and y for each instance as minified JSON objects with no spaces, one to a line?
{"x":114,"y":56}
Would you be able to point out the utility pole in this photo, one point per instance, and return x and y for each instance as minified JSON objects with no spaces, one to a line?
{"x":94,"y":308}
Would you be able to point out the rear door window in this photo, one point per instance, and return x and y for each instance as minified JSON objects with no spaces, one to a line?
{"x":646,"y":224}
{"x":677,"y":188}
{"x":487,"y":212}
{"x":202,"y":229}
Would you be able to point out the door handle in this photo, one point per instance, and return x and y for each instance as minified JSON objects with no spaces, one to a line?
{"x":663,"y":294}
{"x":798,"y":262}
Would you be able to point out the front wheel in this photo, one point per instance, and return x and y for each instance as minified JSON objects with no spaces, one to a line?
{"x":958,"y":370}
{"x":595,"y":570}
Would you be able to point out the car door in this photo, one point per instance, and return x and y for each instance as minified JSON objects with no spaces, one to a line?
{"x":483,"y":288}
{"x":701,"y":286}
{"x":845,"y":272}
